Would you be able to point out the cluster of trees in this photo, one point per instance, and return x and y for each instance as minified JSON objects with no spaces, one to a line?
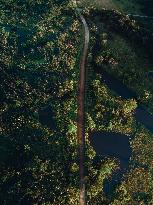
{"x":112,"y":52}
{"x":38,"y":52}
{"x":39,"y":71}
{"x":130,"y":60}
{"x":40,"y":43}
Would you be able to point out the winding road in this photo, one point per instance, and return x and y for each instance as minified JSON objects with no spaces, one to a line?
{"x":141,"y":115}
{"x":80,"y":111}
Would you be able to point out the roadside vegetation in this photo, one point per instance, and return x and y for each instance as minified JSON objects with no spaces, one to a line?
{"x":117,"y":47}
{"x":41,"y":44}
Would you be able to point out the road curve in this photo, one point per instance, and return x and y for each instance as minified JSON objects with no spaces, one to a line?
{"x":81,"y":104}
{"x":81,"y":110}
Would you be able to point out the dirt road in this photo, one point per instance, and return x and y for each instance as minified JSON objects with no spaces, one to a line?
{"x":81,"y":111}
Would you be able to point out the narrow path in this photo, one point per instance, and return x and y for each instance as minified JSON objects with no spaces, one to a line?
{"x":81,"y":111}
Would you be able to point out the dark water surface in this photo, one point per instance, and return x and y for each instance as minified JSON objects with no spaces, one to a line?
{"x":144,"y":117}
{"x":141,"y":114}
{"x":115,"y":145}
{"x":117,"y":86}
{"x":112,"y":145}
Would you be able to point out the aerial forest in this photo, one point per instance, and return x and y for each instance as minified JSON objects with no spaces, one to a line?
{"x":41,"y":52}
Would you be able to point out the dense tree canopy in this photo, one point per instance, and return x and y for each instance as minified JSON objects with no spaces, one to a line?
{"x":40,"y":46}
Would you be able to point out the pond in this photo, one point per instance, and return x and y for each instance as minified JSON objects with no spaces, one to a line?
{"x":115,"y":145}
{"x":112,"y":145}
